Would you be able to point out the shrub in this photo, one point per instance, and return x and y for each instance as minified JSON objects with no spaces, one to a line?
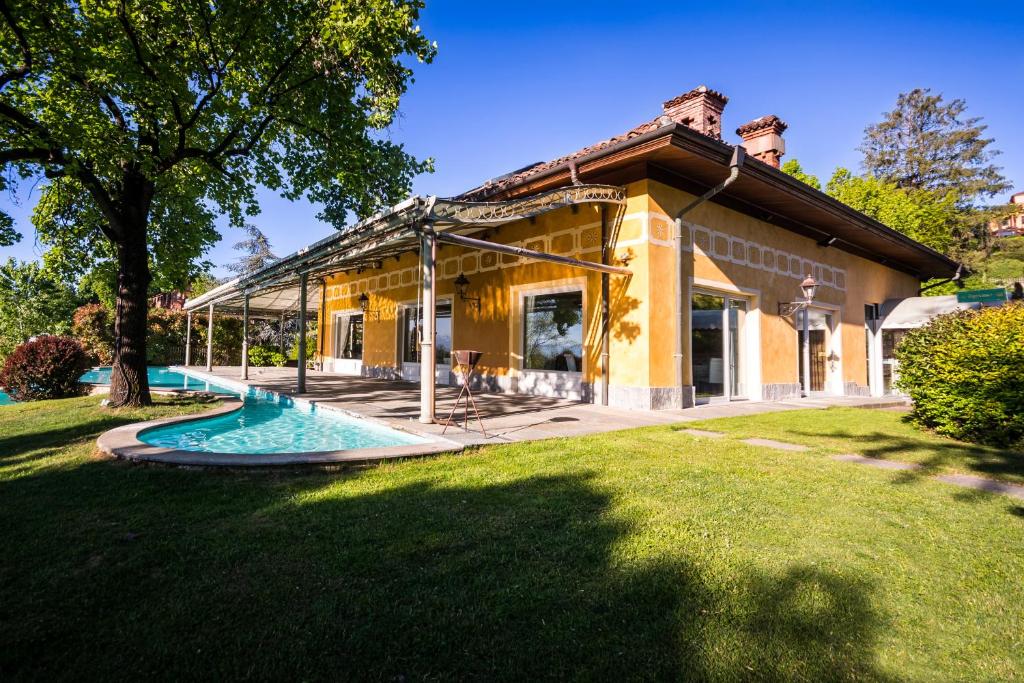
{"x":93,"y":326}
{"x":43,"y":368}
{"x":965,"y":374}
{"x":265,"y":356}
{"x":165,"y":342}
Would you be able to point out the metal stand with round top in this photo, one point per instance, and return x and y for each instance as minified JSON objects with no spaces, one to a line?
{"x":465,"y":365}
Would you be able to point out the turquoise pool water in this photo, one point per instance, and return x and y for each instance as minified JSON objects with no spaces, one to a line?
{"x":268,"y":424}
{"x":5,"y":400}
{"x":160,"y":378}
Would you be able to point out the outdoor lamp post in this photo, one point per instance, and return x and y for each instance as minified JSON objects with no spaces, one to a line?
{"x":462,"y":288}
{"x":808,"y":287}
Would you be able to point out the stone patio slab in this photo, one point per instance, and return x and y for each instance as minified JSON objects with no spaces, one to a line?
{"x":983,"y":484}
{"x":777,"y":445}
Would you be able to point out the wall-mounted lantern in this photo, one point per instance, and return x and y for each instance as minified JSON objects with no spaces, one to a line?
{"x":808,"y":287}
{"x":462,"y":289}
{"x":364,"y":305}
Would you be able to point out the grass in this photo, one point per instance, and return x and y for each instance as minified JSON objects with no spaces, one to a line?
{"x":883,"y":434}
{"x":631,"y":555}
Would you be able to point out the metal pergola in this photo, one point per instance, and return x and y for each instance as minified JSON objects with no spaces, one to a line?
{"x":418,"y":223}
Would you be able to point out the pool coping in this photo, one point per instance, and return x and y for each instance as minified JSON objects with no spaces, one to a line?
{"x":123,"y":443}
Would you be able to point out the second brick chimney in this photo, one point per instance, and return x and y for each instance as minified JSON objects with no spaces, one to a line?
{"x":762,"y":138}
{"x":700,"y":109}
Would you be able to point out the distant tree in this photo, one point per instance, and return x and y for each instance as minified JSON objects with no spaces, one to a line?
{"x":147,"y":117}
{"x":793,"y":168}
{"x":256,"y":252}
{"x":926,"y":143}
{"x":928,"y":217}
{"x":32,"y":302}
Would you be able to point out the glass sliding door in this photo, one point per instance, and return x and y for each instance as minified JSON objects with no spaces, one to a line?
{"x":707,"y":347}
{"x":716,"y":346}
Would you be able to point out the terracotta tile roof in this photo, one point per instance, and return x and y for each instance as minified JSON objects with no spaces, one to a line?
{"x":492,"y":187}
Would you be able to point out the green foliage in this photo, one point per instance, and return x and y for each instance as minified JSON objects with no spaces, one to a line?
{"x":93,"y":326}
{"x":793,"y":168}
{"x":45,"y":368}
{"x":265,"y":356}
{"x":926,"y":143}
{"x":928,"y":217}
{"x":150,"y":120}
{"x":166,"y":337}
{"x":227,"y":341}
{"x":963,"y":372}
{"x":32,"y":301}
{"x":293,"y":352}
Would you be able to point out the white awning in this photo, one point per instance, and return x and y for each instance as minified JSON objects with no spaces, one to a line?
{"x":917,"y":311}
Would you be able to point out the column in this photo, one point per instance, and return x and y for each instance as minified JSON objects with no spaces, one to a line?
{"x":209,"y":340}
{"x":805,"y":351}
{"x":188,"y":339}
{"x":428,"y":361}
{"x":303,"y":281}
{"x":245,"y":337}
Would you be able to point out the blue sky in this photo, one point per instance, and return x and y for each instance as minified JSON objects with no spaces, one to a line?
{"x":522,"y":82}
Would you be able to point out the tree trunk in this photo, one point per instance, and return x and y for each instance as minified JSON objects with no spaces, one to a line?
{"x":129,"y":381}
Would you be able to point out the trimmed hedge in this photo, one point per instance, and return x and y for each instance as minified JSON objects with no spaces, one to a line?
{"x":965,"y":374}
{"x":45,"y":368}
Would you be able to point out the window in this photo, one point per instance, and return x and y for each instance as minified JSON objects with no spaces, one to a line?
{"x":412,"y":322}
{"x":553,"y":332}
{"x":350,"y":336}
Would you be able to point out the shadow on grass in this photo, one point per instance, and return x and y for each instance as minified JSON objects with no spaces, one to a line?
{"x":183,"y":575}
{"x":989,"y":461}
{"x":83,"y":422}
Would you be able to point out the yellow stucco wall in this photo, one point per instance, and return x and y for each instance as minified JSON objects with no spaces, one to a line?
{"x":730,"y":250}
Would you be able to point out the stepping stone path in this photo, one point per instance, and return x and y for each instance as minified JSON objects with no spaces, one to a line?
{"x":777,"y":445}
{"x":965,"y":480}
{"x":703,"y":432}
{"x":875,"y":462}
{"x":983,"y":484}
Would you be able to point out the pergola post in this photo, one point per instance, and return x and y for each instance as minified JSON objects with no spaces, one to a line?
{"x":805,"y":352}
{"x":428,"y":360}
{"x":245,"y":337}
{"x":209,"y":340}
{"x":281,"y":335}
{"x":188,"y":338}
{"x":301,"y":384}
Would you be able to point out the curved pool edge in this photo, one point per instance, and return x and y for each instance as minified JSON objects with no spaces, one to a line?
{"x":123,"y":443}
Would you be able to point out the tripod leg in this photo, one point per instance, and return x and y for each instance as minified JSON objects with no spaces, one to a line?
{"x":482,"y":430}
{"x":455,"y":407}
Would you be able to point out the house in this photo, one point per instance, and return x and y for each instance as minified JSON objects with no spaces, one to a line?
{"x":1012,"y":225}
{"x":656,"y":269}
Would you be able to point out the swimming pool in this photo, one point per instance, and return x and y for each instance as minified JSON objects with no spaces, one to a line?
{"x":269,"y":423}
{"x":5,"y":400}
{"x":161,"y":377}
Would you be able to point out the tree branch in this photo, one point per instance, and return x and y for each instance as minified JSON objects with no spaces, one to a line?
{"x":26,"y":67}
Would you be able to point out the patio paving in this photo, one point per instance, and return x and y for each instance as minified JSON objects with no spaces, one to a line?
{"x":507,"y":417}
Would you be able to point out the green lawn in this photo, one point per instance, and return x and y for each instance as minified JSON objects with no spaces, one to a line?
{"x":884,"y":434}
{"x":632,"y":555}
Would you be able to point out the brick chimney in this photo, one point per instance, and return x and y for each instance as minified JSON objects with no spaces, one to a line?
{"x":700,"y":109}
{"x":762,"y":138}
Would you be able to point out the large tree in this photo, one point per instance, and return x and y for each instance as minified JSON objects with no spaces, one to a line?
{"x":32,"y":302}
{"x":256,"y":252}
{"x":926,"y":143}
{"x":149,"y":118}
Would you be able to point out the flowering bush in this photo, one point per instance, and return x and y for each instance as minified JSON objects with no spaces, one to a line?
{"x":93,"y":326}
{"x":965,"y":374}
{"x":44,"y":368}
